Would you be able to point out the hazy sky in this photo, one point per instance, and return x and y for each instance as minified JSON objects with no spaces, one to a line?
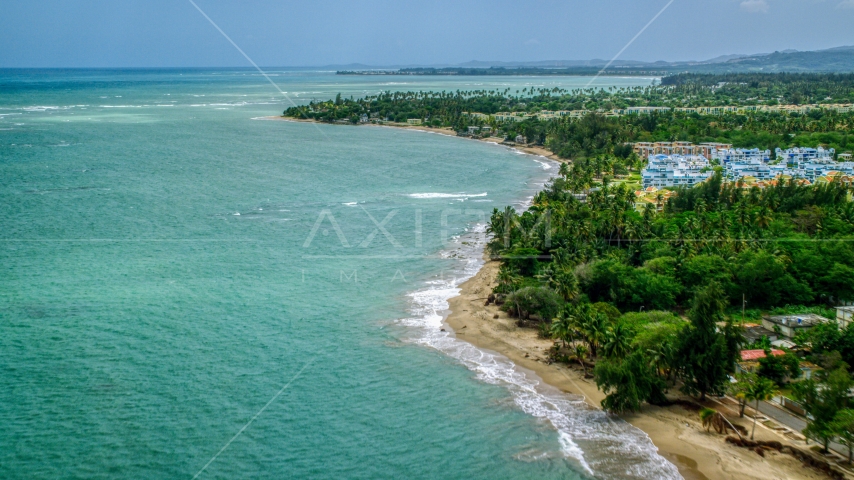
{"x":171,"y":33}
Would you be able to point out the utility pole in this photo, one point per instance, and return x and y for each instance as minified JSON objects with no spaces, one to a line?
{"x":743,"y":303}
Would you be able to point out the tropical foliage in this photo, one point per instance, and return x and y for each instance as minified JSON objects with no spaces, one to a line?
{"x":595,"y":134}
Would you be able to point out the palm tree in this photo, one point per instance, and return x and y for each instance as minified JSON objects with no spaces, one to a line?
{"x":763,"y":219}
{"x":616,"y":342}
{"x":761,"y":390}
{"x":580,"y":354}
{"x":507,"y":278}
{"x":565,"y":284}
{"x":593,"y":327}
{"x":662,"y":359}
{"x":561,"y":327}
{"x":706,"y":415}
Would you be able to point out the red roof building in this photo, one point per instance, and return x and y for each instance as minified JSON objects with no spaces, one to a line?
{"x":747,"y":355}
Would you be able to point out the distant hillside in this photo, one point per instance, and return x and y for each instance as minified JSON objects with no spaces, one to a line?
{"x":838,"y":60}
{"x":833,"y":60}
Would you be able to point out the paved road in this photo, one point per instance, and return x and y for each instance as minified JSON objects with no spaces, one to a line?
{"x":794,"y":422}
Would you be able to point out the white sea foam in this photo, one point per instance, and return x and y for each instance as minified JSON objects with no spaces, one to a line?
{"x":446,"y":195}
{"x":545,"y":165}
{"x":601,"y":445}
{"x":43,"y":108}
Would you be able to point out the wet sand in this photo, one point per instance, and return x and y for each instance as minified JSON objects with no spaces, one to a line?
{"x":675,"y":430}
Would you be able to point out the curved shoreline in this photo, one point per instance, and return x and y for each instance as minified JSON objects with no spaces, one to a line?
{"x":529,"y":150}
{"x":675,"y":431}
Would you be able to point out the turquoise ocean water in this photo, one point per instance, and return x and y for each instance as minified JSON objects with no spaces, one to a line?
{"x":173,"y":268}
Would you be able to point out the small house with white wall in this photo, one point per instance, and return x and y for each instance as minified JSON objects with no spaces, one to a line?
{"x":791,"y":325}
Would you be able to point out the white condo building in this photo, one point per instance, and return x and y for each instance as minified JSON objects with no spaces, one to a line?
{"x":675,"y":171}
{"x":673,"y":164}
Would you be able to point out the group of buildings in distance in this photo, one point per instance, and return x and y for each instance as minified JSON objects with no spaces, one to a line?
{"x":677,"y":164}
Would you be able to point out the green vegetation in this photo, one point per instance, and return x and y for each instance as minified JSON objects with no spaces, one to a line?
{"x":701,"y":251}
{"x":597,"y":135}
{"x":823,"y":399}
{"x":650,"y":296}
{"x":829,"y":345}
{"x":709,"y":248}
{"x":843,"y":426}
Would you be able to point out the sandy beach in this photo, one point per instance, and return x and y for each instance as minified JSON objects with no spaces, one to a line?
{"x":675,"y":430}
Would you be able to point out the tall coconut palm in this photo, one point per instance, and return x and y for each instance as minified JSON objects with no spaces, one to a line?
{"x":507,"y":279}
{"x":617,"y":340}
{"x":561,"y":328}
{"x":761,"y":390}
{"x":580,"y":354}
{"x":565,"y":284}
{"x":763,"y":219}
{"x":593,"y":327}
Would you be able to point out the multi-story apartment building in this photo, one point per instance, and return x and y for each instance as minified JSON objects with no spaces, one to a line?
{"x":725,"y":156}
{"x":796,"y":157}
{"x":645,"y":149}
{"x":675,"y":170}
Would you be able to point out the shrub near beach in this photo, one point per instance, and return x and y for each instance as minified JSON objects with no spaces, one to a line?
{"x":708,"y":249}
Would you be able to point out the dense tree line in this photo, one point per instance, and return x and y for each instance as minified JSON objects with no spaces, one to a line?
{"x":583,"y":253}
{"x":790,"y":88}
{"x":647,"y":295}
{"x":597,"y":134}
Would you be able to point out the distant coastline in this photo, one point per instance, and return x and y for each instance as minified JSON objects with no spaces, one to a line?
{"x":502,"y":71}
{"x":524,"y":148}
{"x":835,"y":60}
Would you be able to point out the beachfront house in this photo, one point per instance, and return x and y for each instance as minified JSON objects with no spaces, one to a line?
{"x":414,"y":121}
{"x":473,"y":130}
{"x":791,"y":325}
{"x":521,"y":139}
